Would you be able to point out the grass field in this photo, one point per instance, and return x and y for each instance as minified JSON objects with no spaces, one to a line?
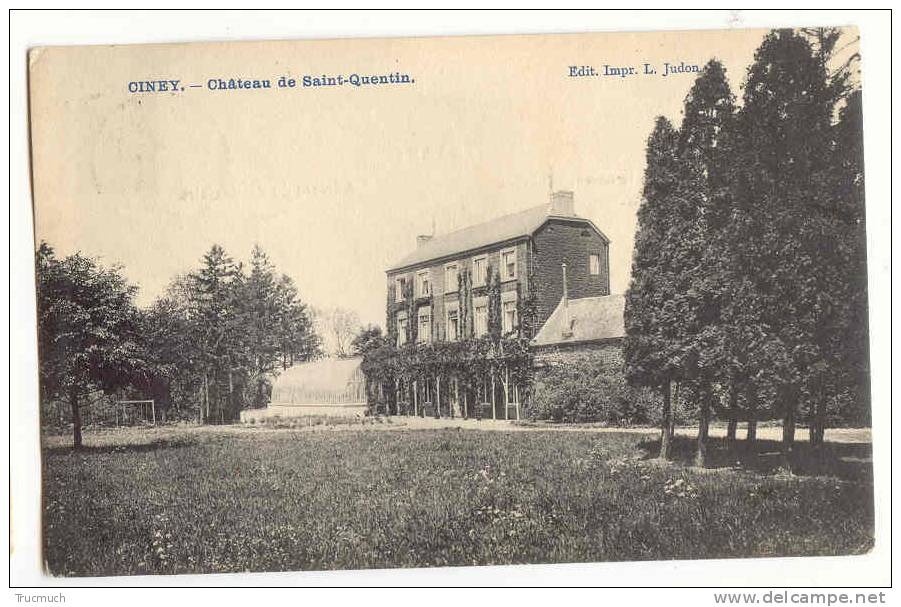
{"x":183,"y":500}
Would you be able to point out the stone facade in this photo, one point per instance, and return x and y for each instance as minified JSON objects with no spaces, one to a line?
{"x":442,"y":297}
{"x":531,"y":252}
{"x":572,"y":243}
{"x":542,"y":240}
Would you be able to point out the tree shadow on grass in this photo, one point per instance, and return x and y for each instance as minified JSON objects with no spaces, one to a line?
{"x":157,"y":445}
{"x":846,"y":461}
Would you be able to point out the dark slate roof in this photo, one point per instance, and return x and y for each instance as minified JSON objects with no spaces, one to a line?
{"x":589,"y":319}
{"x":501,"y":229}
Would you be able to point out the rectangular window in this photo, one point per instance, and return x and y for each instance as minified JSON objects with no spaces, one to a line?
{"x":453,"y":324}
{"x":424,"y":332}
{"x":401,"y":331}
{"x":508,"y":264}
{"x":509,"y":314}
{"x":400,"y":285}
{"x":594,"y":264}
{"x":480,"y":271}
{"x":423,"y":285}
{"x":480,"y":316}
{"x":450,"y":278}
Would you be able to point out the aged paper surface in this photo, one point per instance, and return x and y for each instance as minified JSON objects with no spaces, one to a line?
{"x":398,"y":302}
{"x":336,"y":181}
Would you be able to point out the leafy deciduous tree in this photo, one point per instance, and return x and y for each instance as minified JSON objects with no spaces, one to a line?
{"x":87,"y":330}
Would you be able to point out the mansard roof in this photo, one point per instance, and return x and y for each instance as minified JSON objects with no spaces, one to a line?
{"x":501,"y":229}
{"x":588,"y":319}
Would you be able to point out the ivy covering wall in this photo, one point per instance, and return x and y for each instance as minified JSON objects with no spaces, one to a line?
{"x":467,"y":364}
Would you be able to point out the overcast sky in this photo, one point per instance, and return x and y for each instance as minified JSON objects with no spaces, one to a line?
{"x":336,"y":182}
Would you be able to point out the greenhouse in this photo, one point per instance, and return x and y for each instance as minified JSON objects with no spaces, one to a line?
{"x":330,"y":386}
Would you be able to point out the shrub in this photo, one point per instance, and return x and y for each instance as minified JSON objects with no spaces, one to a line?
{"x":589,"y":387}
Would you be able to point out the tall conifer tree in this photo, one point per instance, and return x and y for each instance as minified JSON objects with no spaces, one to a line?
{"x":708,"y":115}
{"x":214,"y":314}
{"x":779,"y":182}
{"x":647,"y":349}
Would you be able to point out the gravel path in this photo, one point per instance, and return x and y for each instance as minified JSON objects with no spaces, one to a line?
{"x":148,"y":434}
{"x":836,"y":435}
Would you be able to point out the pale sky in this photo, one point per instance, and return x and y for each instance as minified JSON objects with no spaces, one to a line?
{"x":336,"y":182}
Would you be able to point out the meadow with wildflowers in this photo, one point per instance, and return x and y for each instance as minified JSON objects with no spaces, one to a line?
{"x":182,"y":500}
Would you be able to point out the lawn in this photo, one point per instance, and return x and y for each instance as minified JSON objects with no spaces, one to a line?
{"x":193,"y":501}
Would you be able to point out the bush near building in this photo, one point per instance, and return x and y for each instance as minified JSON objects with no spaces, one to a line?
{"x":588,"y":386}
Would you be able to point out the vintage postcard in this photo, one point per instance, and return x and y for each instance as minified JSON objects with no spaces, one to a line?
{"x":451,"y":301}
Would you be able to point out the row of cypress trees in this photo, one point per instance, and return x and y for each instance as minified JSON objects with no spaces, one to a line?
{"x":748,"y":286}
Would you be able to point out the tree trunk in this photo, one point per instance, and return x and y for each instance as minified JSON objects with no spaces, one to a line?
{"x":732,"y":428}
{"x":516,"y":397}
{"x":666,"y":421}
{"x":821,"y":421}
{"x":505,"y":383}
{"x":812,"y":426}
{"x":788,"y":426}
{"x":437,"y":397}
{"x":205,"y":405}
{"x":231,"y":396}
{"x":818,"y":421}
{"x":703,"y":427}
{"x":752,"y":418}
{"x":790,"y":405}
{"x":76,"y":419}
{"x":391,"y":397}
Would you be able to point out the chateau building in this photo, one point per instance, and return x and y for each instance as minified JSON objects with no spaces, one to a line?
{"x":525,"y":250}
{"x":506,"y":277}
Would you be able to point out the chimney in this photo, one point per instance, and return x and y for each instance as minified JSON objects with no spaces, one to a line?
{"x":423,"y":239}
{"x":562,"y":203}
{"x":567,"y":330}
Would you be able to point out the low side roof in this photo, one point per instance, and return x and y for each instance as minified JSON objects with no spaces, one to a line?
{"x":589,"y":319}
{"x":501,"y":229}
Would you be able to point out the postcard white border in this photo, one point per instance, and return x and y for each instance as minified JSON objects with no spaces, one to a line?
{"x":33,"y":28}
